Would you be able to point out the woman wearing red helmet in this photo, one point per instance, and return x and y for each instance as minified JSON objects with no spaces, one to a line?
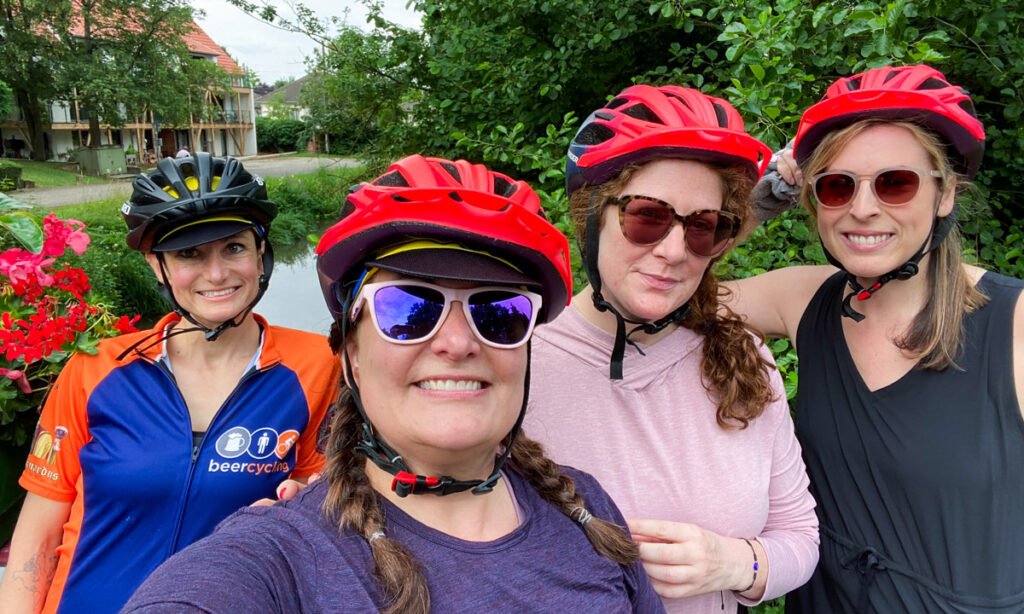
{"x":911,"y":361}
{"x":677,"y":409}
{"x":432,"y":499}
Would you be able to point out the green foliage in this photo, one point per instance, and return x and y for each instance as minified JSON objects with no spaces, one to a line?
{"x":5,"y":100}
{"x":82,"y":50}
{"x":305,"y":203}
{"x":280,"y":134}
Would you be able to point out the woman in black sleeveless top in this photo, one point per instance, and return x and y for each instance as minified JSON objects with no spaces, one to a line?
{"x":911,"y":393}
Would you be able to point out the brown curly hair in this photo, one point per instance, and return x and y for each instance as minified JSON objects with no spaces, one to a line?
{"x":732,"y":365}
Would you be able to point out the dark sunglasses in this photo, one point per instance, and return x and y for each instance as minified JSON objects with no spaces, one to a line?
{"x":646,"y":221}
{"x":891,"y":186}
{"x":407,"y":312}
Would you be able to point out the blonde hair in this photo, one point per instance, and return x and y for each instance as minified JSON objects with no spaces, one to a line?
{"x":936,"y":335}
{"x":732,"y":366}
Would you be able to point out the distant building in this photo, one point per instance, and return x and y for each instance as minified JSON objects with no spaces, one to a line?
{"x":230,"y":130}
{"x":284,"y":101}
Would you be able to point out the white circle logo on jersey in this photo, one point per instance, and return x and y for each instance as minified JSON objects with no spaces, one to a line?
{"x":234,"y":442}
{"x":263,"y":443}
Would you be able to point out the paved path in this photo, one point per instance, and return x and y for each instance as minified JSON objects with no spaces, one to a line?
{"x":267,"y":166}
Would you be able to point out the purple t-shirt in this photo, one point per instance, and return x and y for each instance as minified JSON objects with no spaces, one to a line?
{"x":287,"y":558}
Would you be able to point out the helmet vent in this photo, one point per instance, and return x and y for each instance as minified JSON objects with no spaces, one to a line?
{"x":932,"y":84}
{"x":593,"y":134}
{"x":616,"y":103}
{"x":503,"y":187}
{"x":854,"y":84}
{"x":642,"y":111}
{"x":392,"y":179}
{"x":679,"y":98}
{"x":452,"y":170}
{"x":721,"y":115}
{"x":968,"y":106}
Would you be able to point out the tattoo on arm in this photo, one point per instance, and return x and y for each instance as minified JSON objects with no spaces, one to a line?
{"x":35,"y":576}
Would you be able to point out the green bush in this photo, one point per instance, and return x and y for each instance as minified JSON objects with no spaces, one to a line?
{"x":280,"y":134}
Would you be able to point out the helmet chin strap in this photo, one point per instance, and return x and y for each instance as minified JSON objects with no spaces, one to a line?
{"x":211,"y":333}
{"x":406,"y":482}
{"x":940,"y":228}
{"x":589,"y":251}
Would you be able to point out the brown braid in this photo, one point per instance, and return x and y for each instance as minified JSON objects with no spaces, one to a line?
{"x":351,"y":502}
{"x":609,"y":540}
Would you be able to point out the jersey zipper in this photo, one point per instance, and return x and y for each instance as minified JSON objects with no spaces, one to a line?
{"x":173,"y":542}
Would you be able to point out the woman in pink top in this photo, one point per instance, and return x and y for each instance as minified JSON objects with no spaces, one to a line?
{"x":676,"y":408}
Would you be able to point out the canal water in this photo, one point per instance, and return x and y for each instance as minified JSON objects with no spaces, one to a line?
{"x":294,"y":298}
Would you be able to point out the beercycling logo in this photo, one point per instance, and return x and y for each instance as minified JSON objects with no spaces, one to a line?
{"x":260,"y":444}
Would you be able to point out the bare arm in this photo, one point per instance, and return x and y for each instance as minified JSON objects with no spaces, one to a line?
{"x":773,"y":302}
{"x":33,"y":557}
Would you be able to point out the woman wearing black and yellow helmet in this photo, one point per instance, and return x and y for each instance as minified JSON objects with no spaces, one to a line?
{"x":163,"y":433}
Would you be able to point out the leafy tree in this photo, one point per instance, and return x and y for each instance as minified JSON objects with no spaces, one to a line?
{"x":282,"y":82}
{"x":127,"y":55}
{"x":117,"y":58}
{"x":30,"y":60}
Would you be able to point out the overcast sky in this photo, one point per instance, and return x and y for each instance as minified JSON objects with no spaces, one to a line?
{"x":272,"y":53}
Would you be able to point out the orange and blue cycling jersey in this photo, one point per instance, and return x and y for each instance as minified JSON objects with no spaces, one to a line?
{"x":115,"y":440}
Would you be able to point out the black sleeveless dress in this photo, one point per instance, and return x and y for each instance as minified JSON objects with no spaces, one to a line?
{"x":920,"y":484}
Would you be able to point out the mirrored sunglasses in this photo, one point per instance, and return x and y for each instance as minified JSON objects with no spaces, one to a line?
{"x":891,"y":186}
{"x":646,"y":221}
{"x":407,"y":312}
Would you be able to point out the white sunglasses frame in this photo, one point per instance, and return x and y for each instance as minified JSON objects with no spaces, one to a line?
{"x":859,"y":179}
{"x":451,"y":295}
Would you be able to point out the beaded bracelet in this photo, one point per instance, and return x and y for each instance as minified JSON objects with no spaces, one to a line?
{"x":754,"y":552}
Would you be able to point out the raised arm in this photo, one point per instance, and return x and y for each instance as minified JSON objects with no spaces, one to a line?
{"x":33,"y":557}
{"x":773,"y":302}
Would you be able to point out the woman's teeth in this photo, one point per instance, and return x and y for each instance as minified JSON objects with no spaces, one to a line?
{"x":449,"y":384}
{"x":867,"y":239}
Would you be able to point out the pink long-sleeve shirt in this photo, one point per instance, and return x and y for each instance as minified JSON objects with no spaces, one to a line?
{"x":652,"y":441}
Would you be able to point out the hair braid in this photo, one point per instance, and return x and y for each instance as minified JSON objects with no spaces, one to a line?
{"x":609,"y":539}
{"x":353,"y":503}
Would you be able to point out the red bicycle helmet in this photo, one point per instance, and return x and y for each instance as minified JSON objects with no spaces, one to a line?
{"x":646,"y":122}
{"x":436,"y":199}
{"x":919,"y":94}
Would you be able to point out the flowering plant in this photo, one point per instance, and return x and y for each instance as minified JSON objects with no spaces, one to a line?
{"x":45,"y":313}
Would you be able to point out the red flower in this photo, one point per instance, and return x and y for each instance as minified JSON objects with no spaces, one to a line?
{"x":125,"y":325}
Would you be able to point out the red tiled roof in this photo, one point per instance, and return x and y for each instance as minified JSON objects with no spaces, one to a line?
{"x":200,"y":42}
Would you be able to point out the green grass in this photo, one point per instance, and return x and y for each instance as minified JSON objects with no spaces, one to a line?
{"x":51,"y":174}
